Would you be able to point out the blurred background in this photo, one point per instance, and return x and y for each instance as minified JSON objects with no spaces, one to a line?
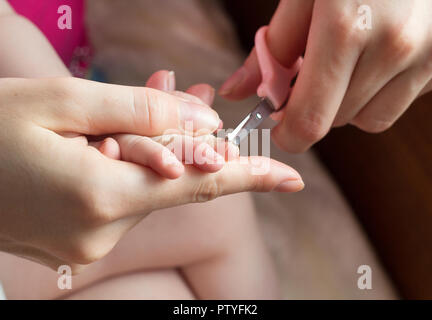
{"x":368,"y":197}
{"x":386,"y":178}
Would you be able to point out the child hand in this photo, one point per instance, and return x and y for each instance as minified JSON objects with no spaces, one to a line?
{"x":161,"y":153}
{"x":63,"y":202}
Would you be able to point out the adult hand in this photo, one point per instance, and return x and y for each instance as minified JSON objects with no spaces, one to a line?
{"x":350,"y":75}
{"x":206,"y":152}
{"x":63,"y":201}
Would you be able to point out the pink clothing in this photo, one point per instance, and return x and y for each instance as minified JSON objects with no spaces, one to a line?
{"x":44,"y":14}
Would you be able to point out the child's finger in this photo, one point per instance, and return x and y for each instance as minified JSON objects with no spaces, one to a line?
{"x":110,"y":148}
{"x":205,"y":157}
{"x":146,"y":152}
{"x":164,"y":154}
{"x":208,"y":157}
{"x":203,"y":91}
{"x":223,"y":147}
{"x":185,"y":144}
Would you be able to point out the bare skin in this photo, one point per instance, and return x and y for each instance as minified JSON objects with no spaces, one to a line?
{"x":366,"y":77}
{"x":194,"y":251}
{"x":206,"y":249}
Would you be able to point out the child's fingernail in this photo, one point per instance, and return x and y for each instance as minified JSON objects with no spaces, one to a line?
{"x":177,"y":169}
{"x":171,"y":81}
{"x":233,"y":81}
{"x":290,"y":186}
{"x":232,"y":152}
{"x":195,"y":117}
{"x":173,"y":167}
{"x":169,"y":159}
{"x":213,"y":157}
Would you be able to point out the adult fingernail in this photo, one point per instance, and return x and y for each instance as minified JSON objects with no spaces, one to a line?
{"x":233,"y":81}
{"x":290,"y":186}
{"x":208,"y":95}
{"x":195,"y":117}
{"x":170,"y":81}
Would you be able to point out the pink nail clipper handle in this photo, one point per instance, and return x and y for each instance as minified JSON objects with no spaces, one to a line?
{"x":276,"y":79}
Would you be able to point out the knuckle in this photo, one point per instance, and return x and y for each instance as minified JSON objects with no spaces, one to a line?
{"x":281,"y":142}
{"x":344,"y":31}
{"x":207,"y":190}
{"x":86,"y":252}
{"x":148,"y":108}
{"x":310,"y":128}
{"x":371,"y":125}
{"x":94,"y":203}
{"x":258,"y":183}
{"x":96,"y":207}
{"x":400,"y":42}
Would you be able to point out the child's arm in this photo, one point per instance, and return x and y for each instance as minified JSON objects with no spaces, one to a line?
{"x":25,"y":52}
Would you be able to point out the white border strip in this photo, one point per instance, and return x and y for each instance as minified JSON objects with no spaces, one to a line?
{"x":2,"y":293}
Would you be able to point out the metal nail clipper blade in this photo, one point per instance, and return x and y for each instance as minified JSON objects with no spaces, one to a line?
{"x":252,"y":121}
{"x":277,"y":83}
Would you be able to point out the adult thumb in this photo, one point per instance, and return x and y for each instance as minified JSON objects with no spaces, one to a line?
{"x":92,"y":108}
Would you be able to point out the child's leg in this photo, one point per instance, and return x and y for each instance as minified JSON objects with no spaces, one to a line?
{"x":241,"y":267}
{"x":216,"y":246}
{"x":146,"y":285}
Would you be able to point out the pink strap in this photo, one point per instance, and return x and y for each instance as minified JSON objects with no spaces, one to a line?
{"x":276,"y":79}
